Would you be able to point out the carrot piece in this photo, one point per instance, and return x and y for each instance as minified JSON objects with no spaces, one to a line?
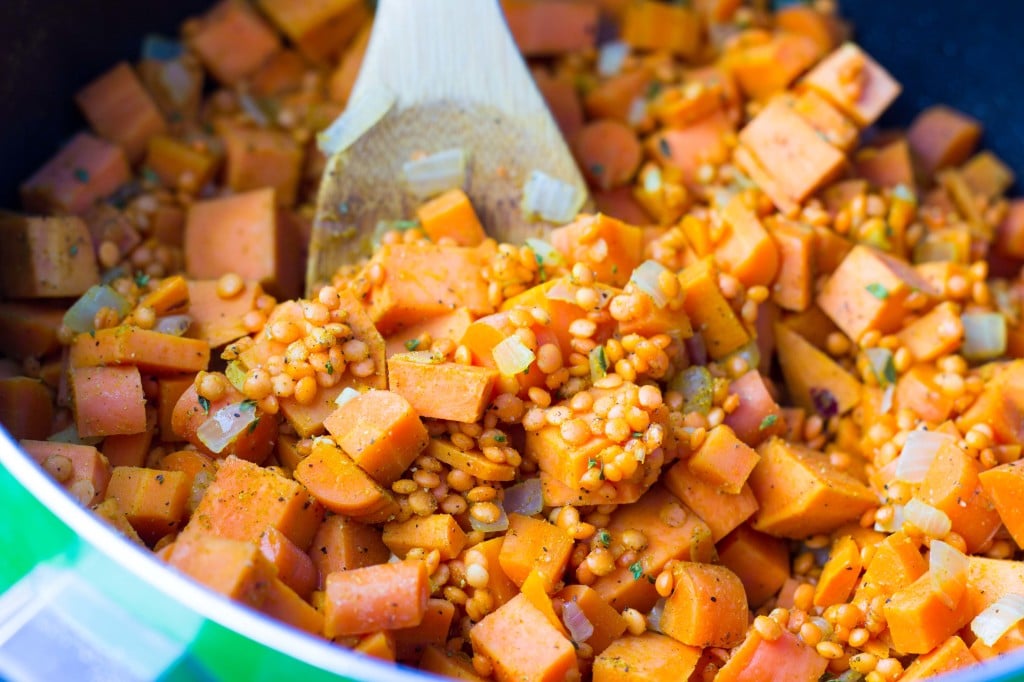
{"x":611,"y":248}
{"x":234,"y":568}
{"x":886,"y":166}
{"x":986,"y":175}
{"x":411,"y":643}
{"x":809,"y":22}
{"x":650,"y":25}
{"x":800,"y":161}
{"x":151,"y":499}
{"x":343,"y":78}
{"x":550,"y":27}
{"x":720,"y":510}
{"x":49,"y":257}
{"x":455,"y":665}
{"x":815,"y":381}
{"x":119,"y":109}
{"x":941,"y":137}
{"x":710,"y":311}
{"x":673,"y":531}
{"x":534,"y":588}
{"x":608,"y":152}
{"x":218,"y":320}
{"x":84,"y":171}
{"x":758,"y":416}
{"x":723,"y":460}
{"x":760,"y":561}
{"x":88,"y":470}
{"x":30,"y":328}
{"x":424,"y":281}
{"x":785,"y":658}
{"x":868,"y":291}
{"x":436,"y":531}
{"x":242,"y":234}
{"x":951,"y":655}
{"x":468,"y":389}
{"x":560,"y":95}
{"x":534,"y":544}
{"x":707,"y":607}
{"x":607,"y":623}
{"x":451,"y":215}
{"x":169,"y":392}
{"x":839,"y":574}
{"x":109,"y":511}
{"x":269,"y":500}
{"x":765,"y":64}
{"x":1004,"y":486}
{"x":128,"y":450}
{"x":253,"y":444}
{"x":341,"y":486}
{"x":685,"y":150}
{"x":108,"y":400}
{"x":179,"y":164}
{"x":341,"y":544}
{"x":522,"y":644}
{"x":801,"y":494}
{"x":614,"y":97}
{"x":26,"y":408}
{"x":896,"y":563}
{"x":256,"y":158}
{"x":450,"y":326}
{"x":500,"y":585}
{"x":295,"y":568}
{"x":472,"y":462}
{"x":232,"y":41}
{"x":150,"y":351}
{"x":649,"y":657}
{"x":919,"y":619}
{"x":320,"y":30}
{"x":381,"y":597}
{"x":952,"y":486}
{"x":855,"y":83}
{"x":380,"y":431}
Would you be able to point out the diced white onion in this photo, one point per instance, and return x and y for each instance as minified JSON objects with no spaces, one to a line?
{"x":645,"y":278}
{"x":499,"y":525}
{"x":524,"y":498}
{"x":904,"y":193}
{"x":654,"y":617}
{"x":984,"y":335}
{"x":650,"y":176}
{"x":546,"y":254}
{"x":933,"y":522}
{"x":512,"y":356}
{"x":252,"y":108}
{"x":81,"y":316}
{"x":551,"y":199}
{"x":887,"y":398}
{"x":637,"y":111}
{"x":894,"y":523}
{"x":236,"y":375}
{"x":347,"y":394}
{"x":360,"y":115}
{"x":224,"y":425}
{"x":881,"y":363}
{"x":994,"y":622}
{"x":436,"y":173}
{"x":69,"y":434}
{"x":918,"y":454}
{"x":576,"y":622}
{"x":175,"y":325}
{"x":611,"y":57}
{"x":948,"y":568}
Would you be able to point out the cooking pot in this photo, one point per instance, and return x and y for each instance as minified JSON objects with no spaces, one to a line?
{"x":76,"y":601}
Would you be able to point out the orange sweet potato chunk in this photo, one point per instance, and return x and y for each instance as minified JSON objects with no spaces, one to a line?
{"x":120,"y":109}
{"x":153,"y":501}
{"x":855,"y":83}
{"x":319,"y":29}
{"x":88,"y":471}
{"x":467,"y":389}
{"x":84,"y":171}
{"x":108,"y":401}
{"x":256,"y":158}
{"x":233,"y":41}
{"x":523,"y":644}
{"x":46,"y":257}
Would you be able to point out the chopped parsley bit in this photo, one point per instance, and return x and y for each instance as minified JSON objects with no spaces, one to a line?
{"x":81,"y":175}
{"x":205,"y":404}
{"x":252,"y":425}
{"x":412,"y":344}
{"x":637,"y":569}
{"x":591,"y":463}
{"x":73,"y":250}
{"x":141,"y":278}
{"x":666,"y":151}
{"x":329,"y":366}
{"x":605,"y":538}
{"x":248,"y":404}
{"x":878,"y":291}
{"x":500,"y":438}
{"x":889,"y":371}
{"x":768,"y":422}
{"x":597,"y":169}
{"x":638,"y":434}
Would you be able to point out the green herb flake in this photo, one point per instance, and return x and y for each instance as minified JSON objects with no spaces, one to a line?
{"x":638,"y":434}
{"x":252,"y":425}
{"x":663,"y":147}
{"x":637,"y":569}
{"x":248,"y":404}
{"x":141,"y":278}
{"x":605,"y":538}
{"x":73,"y":250}
{"x":597,"y":169}
{"x":768,"y":422}
{"x":889,"y":370}
{"x":205,"y":404}
{"x":591,"y":463}
{"x":412,"y":344}
{"x":81,"y":175}
{"x":500,"y":438}
{"x":878,"y":291}
{"x":329,"y":366}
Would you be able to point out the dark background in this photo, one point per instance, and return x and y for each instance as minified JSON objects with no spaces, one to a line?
{"x":968,"y":54}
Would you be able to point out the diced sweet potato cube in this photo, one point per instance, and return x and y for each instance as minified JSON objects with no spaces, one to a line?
{"x":467,"y":388}
{"x":534,"y":545}
{"x":608,"y":624}
{"x":46,"y":257}
{"x":827,"y":120}
{"x":724,"y":460}
{"x":295,"y":567}
{"x":707,"y":607}
{"x":649,"y":657}
{"x":650,"y":25}
{"x":709,"y":310}
{"x":509,"y":637}
{"x":610,"y":247}
{"x":746,"y":251}
{"x":920,"y":619}
{"x":26,"y":408}
{"x":148,"y":350}
{"x":233,"y":41}
{"x":179,"y":164}
{"x":380,"y":597}
{"x":257,"y":158}
{"x":436,"y":531}
{"x":721,"y":511}
{"x":765,"y":64}
{"x":550,"y":28}
{"x":219,"y":320}
{"x":1004,"y":485}
{"x":120,"y":109}
{"x":855,"y":83}
{"x":234,"y":568}
{"x":941,"y":137}
{"x":152,"y":500}
{"x":451,"y":215}
{"x":341,"y":544}
{"x":319,"y":29}
{"x":760,"y":561}
{"x":84,"y":171}
{"x":886,"y":166}
{"x":30,"y":328}
{"x":986,"y":175}
{"x":87,"y":471}
{"x":952,"y":485}
{"x":341,"y":486}
{"x":108,"y":400}
{"x":451,"y":326}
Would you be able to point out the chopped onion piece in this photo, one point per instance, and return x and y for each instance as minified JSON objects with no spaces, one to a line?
{"x":611,"y":57}
{"x":948,"y":568}
{"x":551,"y":199}
{"x":887,"y":397}
{"x":933,"y":522}
{"x":637,"y":111}
{"x":918,"y":453}
{"x":224,"y":425}
{"x":69,"y":434}
{"x":176,"y":325}
{"x":895,"y":522}
{"x":436,"y":173}
{"x":236,"y":375}
{"x":347,"y":394}
{"x":81,"y":316}
{"x":984,"y":336}
{"x":749,"y":352}
{"x":576,"y":622}
{"x":697,"y":386}
{"x":881,"y":365}
{"x":651,"y":178}
{"x":253,"y":110}
{"x":645,"y":278}
{"x":524,"y":498}
{"x":359,"y":116}
{"x":161,"y":49}
{"x":512,"y":356}
{"x":598,"y":363}
{"x":545,"y":253}
{"x":994,"y":622}
{"x":499,"y":525}
{"x":654,"y":617}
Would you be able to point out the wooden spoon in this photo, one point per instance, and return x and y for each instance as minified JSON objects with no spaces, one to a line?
{"x":457,"y":82}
